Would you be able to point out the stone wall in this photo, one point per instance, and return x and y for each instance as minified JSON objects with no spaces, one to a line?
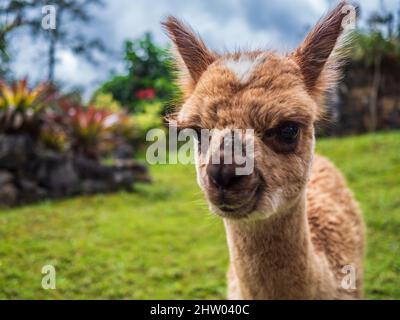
{"x":350,"y":108}
{"x":29,"y":172}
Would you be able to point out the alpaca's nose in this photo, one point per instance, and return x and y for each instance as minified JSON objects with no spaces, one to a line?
{"x":223,"y":175}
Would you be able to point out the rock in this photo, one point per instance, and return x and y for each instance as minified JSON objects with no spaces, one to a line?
{"x":30,"y":191}
{"x":8,"y":195}
{"x":90,"y":169}
{"x":92,"y":186}
{"x":15,"y":150}
{"x":124,"y":151}
{"x":5,"y":177}
{"x":140,"y":171}
{"x":63,"y":179}
{"x":57,"y":173}
{"x":110,"y":178}
{"x":123,"y":179}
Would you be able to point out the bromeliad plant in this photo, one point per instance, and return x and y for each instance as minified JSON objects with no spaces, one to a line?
{"x":91,"y":129}
{"x":53,"y":137}
{"x":21,"y":108}
{"x":61,"y":123}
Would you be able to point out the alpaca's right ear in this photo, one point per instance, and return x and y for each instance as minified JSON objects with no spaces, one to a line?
{"x":192,"y":56}
{"x":320,"y":54}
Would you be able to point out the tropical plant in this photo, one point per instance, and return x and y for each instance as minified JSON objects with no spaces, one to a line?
{"x":148,"y":75}
{"x":90,"y":128}
{"x":105,"y":101}
{"x":21,"y":108}
{"x":149,"y":118}
{"x":54,"y":137}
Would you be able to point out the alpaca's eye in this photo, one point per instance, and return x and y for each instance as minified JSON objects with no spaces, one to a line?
{"x":288,"y":132}
{"x":283,"y":138}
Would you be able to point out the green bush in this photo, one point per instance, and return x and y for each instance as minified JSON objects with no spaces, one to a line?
{"x":149,"y":76}
{"x":149,"y":118}
{"x":106,"y":101}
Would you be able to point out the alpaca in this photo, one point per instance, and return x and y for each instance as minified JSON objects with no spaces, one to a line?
{"x":292,"y":224}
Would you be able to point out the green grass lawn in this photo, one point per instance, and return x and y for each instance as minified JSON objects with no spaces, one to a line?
{"x":162,"y":243}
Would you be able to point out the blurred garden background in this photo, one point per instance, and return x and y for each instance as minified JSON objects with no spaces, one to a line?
{"x":76,"y":103}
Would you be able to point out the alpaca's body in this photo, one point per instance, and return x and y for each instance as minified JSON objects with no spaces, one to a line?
{"x":272,"y":255}
{"x":294,"y":230}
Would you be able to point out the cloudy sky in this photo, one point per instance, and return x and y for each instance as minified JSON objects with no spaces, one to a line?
{"x":224,"y":25}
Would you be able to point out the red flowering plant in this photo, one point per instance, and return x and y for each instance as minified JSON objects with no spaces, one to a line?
{"x":145,"y":94}
{"x":90,"y":129}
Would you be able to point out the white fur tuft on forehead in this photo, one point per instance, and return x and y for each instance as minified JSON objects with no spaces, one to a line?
{"x":244,"y":66}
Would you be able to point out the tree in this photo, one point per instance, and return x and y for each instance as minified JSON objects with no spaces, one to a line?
{"x":4,"y":57}
{"x":371,"y":52}
{"x":70,"y":16}
{"x":148,"y":75}
{"x":373,"y":47}
{"x":5,"y":29}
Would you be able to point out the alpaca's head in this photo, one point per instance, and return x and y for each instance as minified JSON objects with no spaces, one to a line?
{"x":280,"y":97}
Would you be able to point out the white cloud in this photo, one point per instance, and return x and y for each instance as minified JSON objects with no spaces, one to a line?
{"x":72,"y":69}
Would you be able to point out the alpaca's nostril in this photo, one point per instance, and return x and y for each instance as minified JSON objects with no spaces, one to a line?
{"x":222,"y":175}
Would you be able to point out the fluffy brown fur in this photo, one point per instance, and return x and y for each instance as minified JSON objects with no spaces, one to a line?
{"x":292,"y":224}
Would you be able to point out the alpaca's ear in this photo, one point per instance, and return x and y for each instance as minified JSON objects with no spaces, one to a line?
{"x":192,"y":56}
{"x":319,"y":55}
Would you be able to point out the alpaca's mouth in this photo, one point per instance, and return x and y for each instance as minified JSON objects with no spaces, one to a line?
{"x":239,"y":212}
{"x":242,"y":209}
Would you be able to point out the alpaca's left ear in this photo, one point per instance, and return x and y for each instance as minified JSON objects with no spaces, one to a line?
{"x":318,"y":56}
{"x":192,"y":56}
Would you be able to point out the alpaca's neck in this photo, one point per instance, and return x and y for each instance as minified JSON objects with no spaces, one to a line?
{"x":274,"y":258}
